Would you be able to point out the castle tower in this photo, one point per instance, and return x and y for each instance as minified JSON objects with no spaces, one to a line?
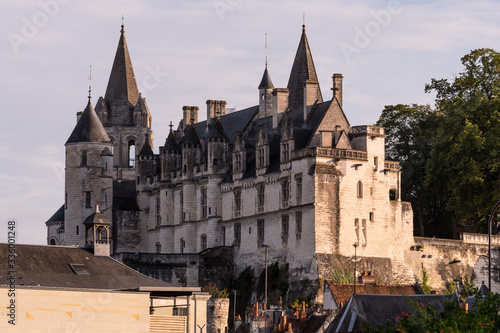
{"x":89,"y":175}
{"x":266,"y":95}
{"x":303,"y":83}
{"x":124,"y":112}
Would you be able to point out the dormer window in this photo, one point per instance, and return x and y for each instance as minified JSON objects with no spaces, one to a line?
{"x":237,"y":163}
{"x":260,"y":158}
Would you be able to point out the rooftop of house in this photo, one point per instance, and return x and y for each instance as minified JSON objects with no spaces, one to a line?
{"x":63,"y":267}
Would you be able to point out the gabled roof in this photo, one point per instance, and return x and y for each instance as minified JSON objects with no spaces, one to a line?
{"x":170,"y":143}
{"x":58,"y":215}
{"x":89,"y":128}
{"x":190,"y":137}
{"x":342,"y":291}
{"x":51,"y":266}
{"x":216,"y":131}
{"x":377,"y":309}
{"x":266,"y":82}
{"x":302,"y":70}
{"x":122,"y":85}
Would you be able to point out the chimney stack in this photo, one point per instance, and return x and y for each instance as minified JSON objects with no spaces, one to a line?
{"x":190,"y":114}
{"x":280,"y":104}
{"x":337,"y":87}
{"x":214,"y":109}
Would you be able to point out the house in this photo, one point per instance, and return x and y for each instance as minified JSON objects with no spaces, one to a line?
{"x":62,"y":288}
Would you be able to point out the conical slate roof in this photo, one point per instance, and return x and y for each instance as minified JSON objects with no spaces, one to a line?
{"x":302,"y":70}
{"x":97,"y":218}
{"x":89,"y":128}
{"x":122,"y":85}
{"x":266,"y":82}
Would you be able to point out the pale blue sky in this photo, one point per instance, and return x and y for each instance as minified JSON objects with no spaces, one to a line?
{"x":199,"y":50}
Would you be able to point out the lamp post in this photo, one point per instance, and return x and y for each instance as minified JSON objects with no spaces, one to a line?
{"x":490,"y":220}
{"x":355,"y":262}
{"x":265,"y":283}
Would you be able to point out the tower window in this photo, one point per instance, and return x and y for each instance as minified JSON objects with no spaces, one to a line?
{"x":77,"y":230}
{"x":182,"y":245}
{"x":158,"y":211}
{"x":237,"y":202}
{"x":131,"y":154}
{"x":260,"y":231}
{"x":284,"y":225}
{"x":203,"y":202}
{"x":360,"y":189}
{"x":203,"y":242}
{"x":88,"y":199}
{"x":392,"y":195}
{"x":260,"y":198}
{"x":298,"y":182}
{"x":285,"y":193}
{"x":298,"y":225}
{"x":237,"y":234}
{"x":158,"y":247}
{"x":65,"y":200}
{"x":84,"y":158}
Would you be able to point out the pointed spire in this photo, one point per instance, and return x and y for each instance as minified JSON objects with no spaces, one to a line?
{"x":146,"y":149}
{"x":266,"y":82}
{"x":89,"y":128}
{"x":122,"y":85}
{"x":303,"y":71}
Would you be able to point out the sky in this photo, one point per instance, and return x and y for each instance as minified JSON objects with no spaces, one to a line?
{"x":187,"y":51}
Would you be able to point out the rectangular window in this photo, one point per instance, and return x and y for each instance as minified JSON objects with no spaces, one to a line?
{"x":260,"y":198}
{"x":203,"y":242}
{"x":284,"y":225}
{"x":158,"y":211}
{"x":298,"y":225}
{"x":183,"y":245}
{"x":285,"y":193}
{"x":298,"y":182}
{"x":237,"y":163}
{"x":260,"y":158}
{"x":260,"y":231}
{"x":66,"y":201}
{"x":237,"y":234}
{"x":223,"y":236}
{"x":77,"y":229}
{"x":84,"y":158}
{"x":203,"y":202}
{"x":88,"y":199}
{"x":237,"y":202}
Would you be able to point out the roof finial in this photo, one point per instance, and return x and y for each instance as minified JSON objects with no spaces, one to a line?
{"x":123,"y":30}
{"x":97,"y":208}
{"x":266,"y":49}
{"x":303,"y":22}
{"x":90,"y":83}
{"x":170,"y":125}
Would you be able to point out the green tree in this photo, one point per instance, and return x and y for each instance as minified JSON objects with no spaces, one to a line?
{"x":465,"y":155}
{"x":410,"y":131}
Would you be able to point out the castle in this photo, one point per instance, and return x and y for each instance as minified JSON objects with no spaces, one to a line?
{"x":289,"y":176}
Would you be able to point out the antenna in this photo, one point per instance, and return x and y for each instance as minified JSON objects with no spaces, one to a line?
{"x":90,"y":82}
{"x":266,"y":49}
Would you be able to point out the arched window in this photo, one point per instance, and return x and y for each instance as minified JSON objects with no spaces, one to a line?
{"x":183,"y":245}
{"x":53,"y":242}
{"x":375,"y":163}
{"x":158,"y":247}
{"x":360,"y":189}
{"x":203,"y":242}
{"x":131,"y":154}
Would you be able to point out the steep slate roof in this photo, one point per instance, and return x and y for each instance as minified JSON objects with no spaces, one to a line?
{"x":58,"y":215}
{"x":266,"y":81}
{"x":170,"y":143}
{"x":342,"y":291}
{"x":216,"y":131}
{"x":89,"y":128}
{"x":49,"y":266}
{"x":146,"y":149}
{"x":122,"y":85}
{"x":302,"y":70}
{"x":377,"y":309}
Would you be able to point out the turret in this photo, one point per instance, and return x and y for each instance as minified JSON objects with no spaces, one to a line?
{"x":265,"y":95}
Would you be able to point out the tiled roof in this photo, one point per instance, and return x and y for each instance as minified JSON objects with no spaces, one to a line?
{"x":342,"y":292}
{"x":89,"y":128}
{"x":50,"y":266}
{"x":122,"y":84}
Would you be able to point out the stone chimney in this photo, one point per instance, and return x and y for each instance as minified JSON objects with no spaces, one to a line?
{"x":337,"y":87}
{"x":214,"y":109}
{"x":312,"y":95}
{"x":366,"y":278}
{"x":190,"y":114}
{"x":280,"y":104}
